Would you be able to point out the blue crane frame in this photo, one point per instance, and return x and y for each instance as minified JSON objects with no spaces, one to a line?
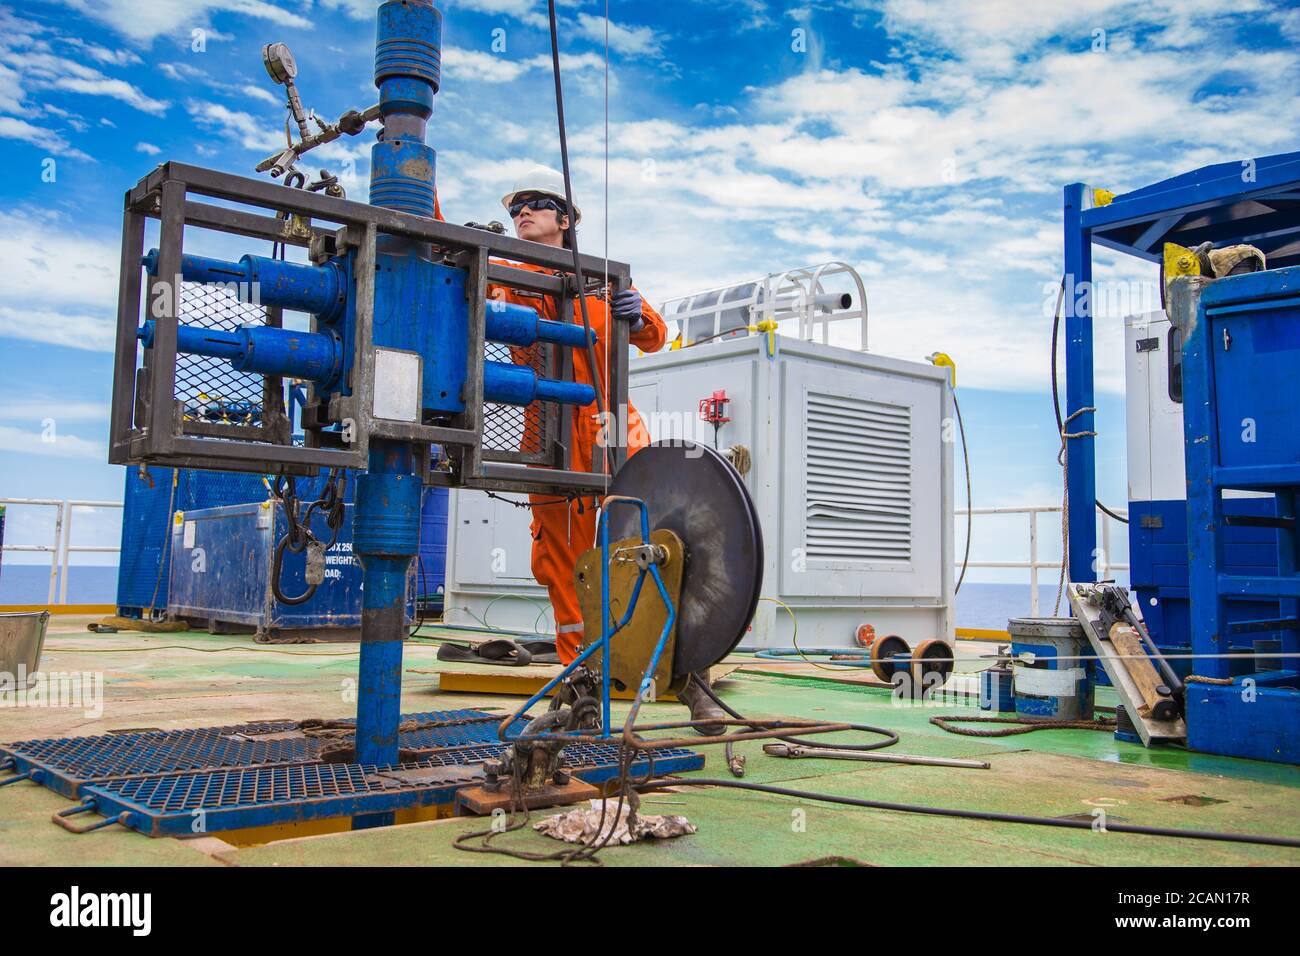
{"x":1253,"y":200}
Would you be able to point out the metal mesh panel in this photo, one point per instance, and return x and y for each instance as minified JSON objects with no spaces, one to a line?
{"x":210,"y":390}
{"x":514,"y":433}
{"x":243,"y":786}
{"x":70,"y":762}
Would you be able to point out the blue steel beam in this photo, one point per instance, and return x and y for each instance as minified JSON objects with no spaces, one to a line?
{"x":1080,"y":474}
{"x":1200,"y":189}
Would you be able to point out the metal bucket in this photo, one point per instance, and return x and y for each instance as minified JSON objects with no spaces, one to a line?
{"x":1059,"y":684}
{"x":22,"y":634}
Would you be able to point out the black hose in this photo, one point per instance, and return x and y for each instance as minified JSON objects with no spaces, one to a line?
{"x":573,"y":230}
{"x":970,"y":516}
{"x":989,"y":815}
{"x":889,"y":737}
{"x":1056,"y":396}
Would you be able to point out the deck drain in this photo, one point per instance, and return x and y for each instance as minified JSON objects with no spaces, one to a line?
{"x":1193,"y":800}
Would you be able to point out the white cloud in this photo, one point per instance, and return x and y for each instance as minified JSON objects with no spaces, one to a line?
{"x":249,"y":131}
{"x":63,"y":446}
{"x":633,"y":40}
{"x":259,"y":93}
{"x":75,"y":330}
{"x":14,"y":408}
{"x":143,"y":22}
{"x":11,"y":128}
{"x":149,"y":149}
{"x":461,"y":65}
{"x":117,"y":89}
{"x":56,"y":285}
{"x":28,"y":64}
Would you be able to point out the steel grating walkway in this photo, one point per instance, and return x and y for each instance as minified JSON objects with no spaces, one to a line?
{"x":212,"y":801}
{"x":182,"y":782}
{"x":66,"y":764}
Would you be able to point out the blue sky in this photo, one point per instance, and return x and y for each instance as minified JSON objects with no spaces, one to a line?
{"x":924,"y":143}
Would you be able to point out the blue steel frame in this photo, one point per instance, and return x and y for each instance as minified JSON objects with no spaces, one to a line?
{"x":607,"y":633}
{"x":1254,"y":200}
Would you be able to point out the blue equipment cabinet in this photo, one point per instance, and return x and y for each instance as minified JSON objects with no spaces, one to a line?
{"x":1241,"y":374}
{"x":149,"y":498}
{"x":221,"y":563}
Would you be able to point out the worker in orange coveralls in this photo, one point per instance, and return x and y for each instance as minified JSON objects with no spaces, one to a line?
{"x":563,"y":531}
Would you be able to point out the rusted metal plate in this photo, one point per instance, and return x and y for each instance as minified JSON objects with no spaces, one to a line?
{"x":481,"y":802}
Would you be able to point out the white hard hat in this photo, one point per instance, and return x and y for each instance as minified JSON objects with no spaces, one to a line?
{"x":544,"y":181}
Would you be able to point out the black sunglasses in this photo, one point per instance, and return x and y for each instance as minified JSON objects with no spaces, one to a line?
{"x":536,"y":204}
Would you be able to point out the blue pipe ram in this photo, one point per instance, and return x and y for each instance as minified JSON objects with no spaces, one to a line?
{"x":520,"y":325}
{"x":510,"y":384}
{"x":320,"y":290}
{"x":317,"y":357}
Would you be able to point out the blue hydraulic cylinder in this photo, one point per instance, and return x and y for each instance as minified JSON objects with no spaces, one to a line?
{"x":315,"y":356}
{"x":318,"y":357}
{"x":521,"y":325}
{"x":510,"y":384}
{"x":320,"y":290}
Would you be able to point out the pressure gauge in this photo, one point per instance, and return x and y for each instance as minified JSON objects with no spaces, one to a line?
{"x":279,"y":62}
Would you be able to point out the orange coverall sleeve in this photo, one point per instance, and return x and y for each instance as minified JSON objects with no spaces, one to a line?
{"x":650,"y":337}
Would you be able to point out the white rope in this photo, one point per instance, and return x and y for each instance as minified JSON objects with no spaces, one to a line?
{"x":1063,"y":458}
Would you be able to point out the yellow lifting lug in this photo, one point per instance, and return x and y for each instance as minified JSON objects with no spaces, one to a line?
{"x":1180,"y":261}
{"x":943,"y":360}
{"x":1102,"y":197}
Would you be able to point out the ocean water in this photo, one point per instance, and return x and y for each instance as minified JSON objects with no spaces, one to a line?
{"x":978,"y":605}
{"x":990,"y":605}
{"x":30,"y":584}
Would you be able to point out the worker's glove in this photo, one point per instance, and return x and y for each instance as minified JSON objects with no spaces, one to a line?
{"x":627,"y":307}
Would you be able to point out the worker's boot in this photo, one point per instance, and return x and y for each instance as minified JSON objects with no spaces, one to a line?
{"x":703,"y":707}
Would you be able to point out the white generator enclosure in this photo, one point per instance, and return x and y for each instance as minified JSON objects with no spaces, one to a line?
{"x":851,"y":473}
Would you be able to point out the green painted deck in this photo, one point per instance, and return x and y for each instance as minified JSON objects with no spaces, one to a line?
{"x":196,"y":679}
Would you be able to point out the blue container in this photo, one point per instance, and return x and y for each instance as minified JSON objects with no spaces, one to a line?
{"x":221,"y":561}
{"x":144,"y":568}
{"x":432,"y":572}
{"x":1059,"y":684}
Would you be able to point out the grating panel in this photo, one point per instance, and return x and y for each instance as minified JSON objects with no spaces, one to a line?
{"x":67,"y":764}
{"x":858,"y":480}
{"x":216,"y":800}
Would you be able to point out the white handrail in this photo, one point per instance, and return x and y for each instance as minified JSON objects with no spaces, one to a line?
{"x":1104,"y":566}
{"x":61,"y":551}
